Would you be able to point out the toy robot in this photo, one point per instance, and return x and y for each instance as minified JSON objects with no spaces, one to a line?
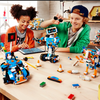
{"x":51,"y":43}
{"x":92,"y":58}
{"x":13,"y":69}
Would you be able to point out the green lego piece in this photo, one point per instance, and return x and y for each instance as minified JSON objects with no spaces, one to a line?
{"x":5,"y":50}
{"x":42,"y":84}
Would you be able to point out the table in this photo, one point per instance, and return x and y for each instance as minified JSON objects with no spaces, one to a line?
{"x":31,"y":90}
{"x":92,"y":45}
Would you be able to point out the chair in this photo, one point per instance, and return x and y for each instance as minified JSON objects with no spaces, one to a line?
{"x":3,"y":38}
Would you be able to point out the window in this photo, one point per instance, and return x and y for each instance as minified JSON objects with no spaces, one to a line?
{"x":6,"y":5}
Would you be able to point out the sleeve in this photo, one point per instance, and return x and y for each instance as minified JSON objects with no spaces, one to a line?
{"x":81,"y":42}
{"x":7,"y":44}
{"x":60,"y":27}
{"x":31,"y":42}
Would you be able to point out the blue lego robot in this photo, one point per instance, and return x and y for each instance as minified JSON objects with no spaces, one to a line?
{"x":51,"y":42}
{"x":14,"y":71}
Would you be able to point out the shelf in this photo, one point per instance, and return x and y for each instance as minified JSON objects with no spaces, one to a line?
{"x":90,"y":21}
{"x":94,"y":21}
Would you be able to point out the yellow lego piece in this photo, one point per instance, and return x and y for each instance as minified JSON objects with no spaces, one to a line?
{"x":99,"y":92}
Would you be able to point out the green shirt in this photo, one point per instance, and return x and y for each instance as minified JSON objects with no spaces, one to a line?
{"x":82,"y":40}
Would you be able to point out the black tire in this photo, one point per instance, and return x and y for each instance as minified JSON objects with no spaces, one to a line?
{"x":42,"y":57}
{"x":53,"y":60}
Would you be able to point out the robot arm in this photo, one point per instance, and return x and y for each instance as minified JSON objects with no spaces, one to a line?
{"x":39,"y":40}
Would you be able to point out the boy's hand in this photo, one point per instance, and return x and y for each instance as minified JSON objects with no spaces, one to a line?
{"x":57,"y":21}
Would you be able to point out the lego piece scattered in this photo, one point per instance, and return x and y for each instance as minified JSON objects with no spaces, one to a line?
{"x":25,"y":59}
{"x":42,"y":84}
{"x":71,"y":97}
{"x":69,"y":58}
{"x":38,"y":64}
{"x":60,"y":69}
{"x":30,"y":57}
{"x":53,"y":78}
{"x":85,"y":78}
{"x":73,"y":71}
{"x":76,"y":63}
{"x":76,"y":85}
{"x":31,"y":65}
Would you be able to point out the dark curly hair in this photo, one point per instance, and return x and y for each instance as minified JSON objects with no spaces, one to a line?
{"x":17,"y":11}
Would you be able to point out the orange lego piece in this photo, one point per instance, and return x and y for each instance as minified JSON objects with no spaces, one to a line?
{"x":95,"y":73}
{"x":60,"y":69}
{"x":38,"y":64}
{"x":69,"y":71}
{"x":21,"y":78}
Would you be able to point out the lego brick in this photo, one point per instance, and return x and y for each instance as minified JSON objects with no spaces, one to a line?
{"x":42,"y":84}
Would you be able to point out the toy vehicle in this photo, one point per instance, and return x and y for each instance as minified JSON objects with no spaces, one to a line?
{"x":14,"y":71}
{"x":51,"y":43}
{"x":53,"y":78}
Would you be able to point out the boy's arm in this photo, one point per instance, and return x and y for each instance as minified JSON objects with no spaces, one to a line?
{"x":51,"y":21}
{"x":67,"y":50}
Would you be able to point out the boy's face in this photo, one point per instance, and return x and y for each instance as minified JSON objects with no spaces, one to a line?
{"x":76,"y":21}
{"x":23,"y":22}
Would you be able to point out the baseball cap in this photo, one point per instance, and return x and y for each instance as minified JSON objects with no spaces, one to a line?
{"x":80,"y":10}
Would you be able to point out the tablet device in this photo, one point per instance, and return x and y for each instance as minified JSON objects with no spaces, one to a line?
{"x":31,"y":50}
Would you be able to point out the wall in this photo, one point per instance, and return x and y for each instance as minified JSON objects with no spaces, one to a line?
{"x":43,"y":9}
{"x":55,"y":8}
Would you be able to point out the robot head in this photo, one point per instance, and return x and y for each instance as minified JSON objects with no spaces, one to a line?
{"x":51,"y":31}
{"x":8,"y":56}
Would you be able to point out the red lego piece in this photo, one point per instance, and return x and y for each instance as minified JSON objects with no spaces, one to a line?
{"x":71,"y":97}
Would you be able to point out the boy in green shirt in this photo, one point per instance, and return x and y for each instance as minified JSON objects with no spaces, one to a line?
{"x":74,"y":35}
